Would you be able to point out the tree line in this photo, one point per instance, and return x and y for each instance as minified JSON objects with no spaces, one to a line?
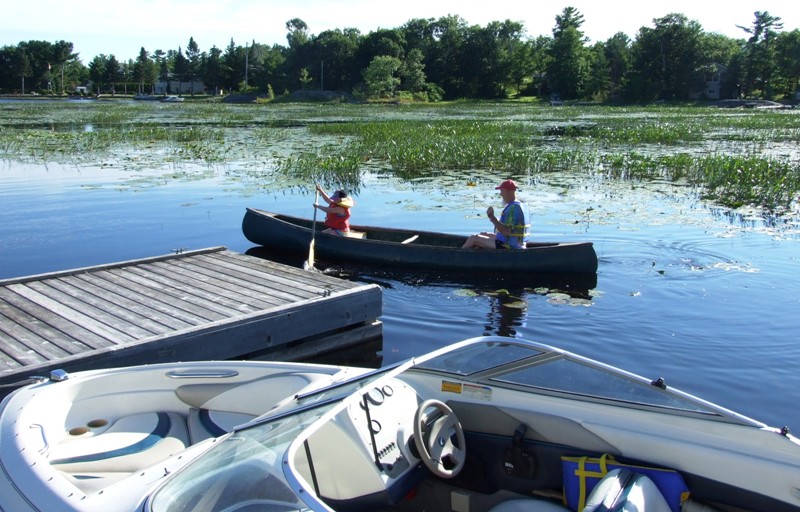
{"x":446,"y":58}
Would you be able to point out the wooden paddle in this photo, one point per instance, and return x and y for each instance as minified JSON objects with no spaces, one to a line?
{"x":309,"y":263}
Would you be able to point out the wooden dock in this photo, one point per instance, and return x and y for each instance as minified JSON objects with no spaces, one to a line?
{"x":204,"y":304}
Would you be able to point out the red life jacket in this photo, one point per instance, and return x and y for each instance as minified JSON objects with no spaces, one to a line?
{"x":338,"y":221}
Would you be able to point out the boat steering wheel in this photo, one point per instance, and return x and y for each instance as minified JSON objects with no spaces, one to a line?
{"x":434,"y":439}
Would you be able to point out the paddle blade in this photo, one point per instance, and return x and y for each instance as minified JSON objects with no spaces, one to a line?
{"x":309,"y":263}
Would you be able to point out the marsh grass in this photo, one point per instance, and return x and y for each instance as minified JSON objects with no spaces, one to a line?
{"x":727,"y":154}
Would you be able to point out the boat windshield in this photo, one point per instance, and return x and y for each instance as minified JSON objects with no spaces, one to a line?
{"x":547,"y":370}
{"x":582,"y":380}
{"x":480,"y":357}
{"x":242,"y":472}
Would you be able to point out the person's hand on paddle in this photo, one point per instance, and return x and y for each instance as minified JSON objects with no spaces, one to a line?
{"x":490,"y":212}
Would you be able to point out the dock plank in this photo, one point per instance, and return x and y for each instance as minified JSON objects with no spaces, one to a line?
{"x":280,"y":275}
{"x":63,"y":332}
{"x":235,"y":291}
{"x":126,"y":298}
{"x":201,"y":306}
{"x":28,"y":346}
{"x":131,"y":286}
{"x":83,"y":310}
{"x":72,"y":316}
{"x":206,"y":304}
{"x":110,"y":306}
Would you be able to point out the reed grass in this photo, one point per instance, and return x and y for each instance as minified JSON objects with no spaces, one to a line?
{"x":729,"y":154}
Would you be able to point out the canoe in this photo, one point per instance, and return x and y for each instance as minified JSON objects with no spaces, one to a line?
{"x":413,"y":248}
{"x":486,"y":425}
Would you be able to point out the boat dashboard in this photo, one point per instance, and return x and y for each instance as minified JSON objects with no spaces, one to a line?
{"x":368,"y":451}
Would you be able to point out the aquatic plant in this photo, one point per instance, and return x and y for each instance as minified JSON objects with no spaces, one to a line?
{"x":733,"y":157}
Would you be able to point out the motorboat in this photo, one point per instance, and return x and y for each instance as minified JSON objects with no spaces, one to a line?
{"x":486,"y":424}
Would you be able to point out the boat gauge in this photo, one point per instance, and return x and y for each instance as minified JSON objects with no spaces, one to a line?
{"x":375,"y":397}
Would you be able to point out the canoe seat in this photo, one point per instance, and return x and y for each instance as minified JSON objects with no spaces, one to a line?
{"x":126,"y":445}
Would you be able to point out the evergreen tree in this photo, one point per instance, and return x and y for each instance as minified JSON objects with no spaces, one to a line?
{"x":213,"y":70}
{"x":192,"y":63}
{"x":180,"y":68}
{"x":144,"y":70}
{"x":598,"y":81}
{"x":618,"y":54}
{"x":97,"y":71}
{"x":232,"y":66}
{"x":112,"y":74}
{"x":567,"y":70}
{"x":760,"y":61}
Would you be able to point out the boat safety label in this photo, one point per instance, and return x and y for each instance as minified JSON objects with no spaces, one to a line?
{"x":474,"y":391}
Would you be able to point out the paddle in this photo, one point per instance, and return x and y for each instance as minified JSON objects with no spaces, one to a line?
{"x":309,"y":263}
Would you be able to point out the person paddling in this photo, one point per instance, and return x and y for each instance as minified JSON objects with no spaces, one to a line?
{"x":337,"y":219}
{"x":511,"y":230}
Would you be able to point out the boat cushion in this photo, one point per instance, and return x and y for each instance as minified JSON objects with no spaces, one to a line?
{"x":622,"y":490}
{"x":581,"y":474}
{"x":128,"y":444}
{"x":206,"y":423}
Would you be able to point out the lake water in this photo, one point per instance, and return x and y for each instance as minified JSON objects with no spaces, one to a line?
{"x":702,"y":296}
{"x":706,"y":298}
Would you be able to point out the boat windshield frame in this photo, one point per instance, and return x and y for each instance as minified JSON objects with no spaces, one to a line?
{"x":662,"y":399}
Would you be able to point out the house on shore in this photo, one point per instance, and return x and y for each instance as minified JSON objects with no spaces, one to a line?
{"x":712,"y":84}
{"x":174,"y":86}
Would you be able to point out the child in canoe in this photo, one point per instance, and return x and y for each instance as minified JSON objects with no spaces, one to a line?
{"x":337,"y":219}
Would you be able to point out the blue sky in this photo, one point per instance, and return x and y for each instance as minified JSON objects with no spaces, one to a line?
{"x":122,"y":28}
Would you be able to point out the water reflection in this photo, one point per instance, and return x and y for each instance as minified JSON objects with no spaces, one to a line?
{"x":508,"y":296}
{"x":506,"y":313}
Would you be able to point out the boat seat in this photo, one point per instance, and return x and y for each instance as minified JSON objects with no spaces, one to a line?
{"x":216,"y":408}
{"x":207,"y":423}
{"x":620,"y":489}
{"x":128,"y":444}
